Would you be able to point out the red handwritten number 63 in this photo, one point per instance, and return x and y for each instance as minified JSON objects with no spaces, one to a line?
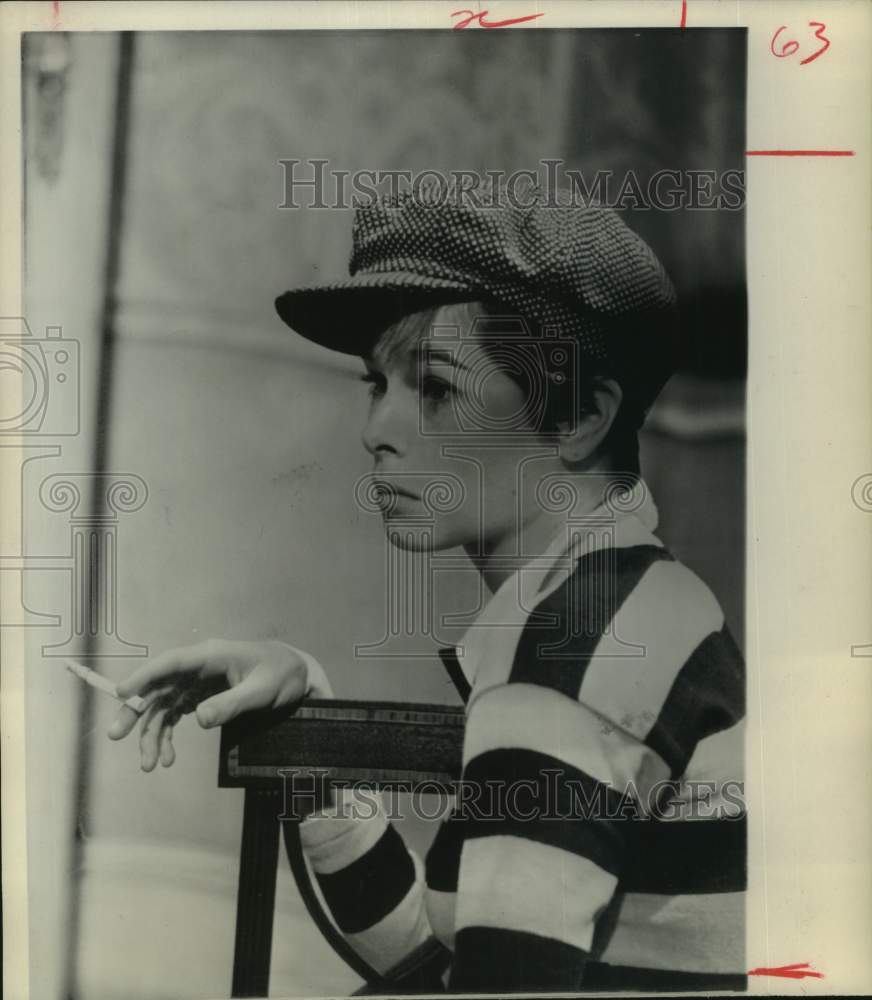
{"x":791,"y":46}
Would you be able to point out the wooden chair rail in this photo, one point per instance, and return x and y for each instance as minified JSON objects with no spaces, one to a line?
{"x":323,"y":743}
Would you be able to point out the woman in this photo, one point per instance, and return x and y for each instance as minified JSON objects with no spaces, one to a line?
{"x":513,"y":347}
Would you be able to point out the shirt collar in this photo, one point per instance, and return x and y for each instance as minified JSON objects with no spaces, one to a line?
{"x":625,"y":519}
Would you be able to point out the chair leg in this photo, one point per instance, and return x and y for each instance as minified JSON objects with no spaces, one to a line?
{"x":256,"y":894}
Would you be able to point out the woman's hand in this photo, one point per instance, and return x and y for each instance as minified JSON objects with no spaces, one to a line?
{"x":219,"y":680}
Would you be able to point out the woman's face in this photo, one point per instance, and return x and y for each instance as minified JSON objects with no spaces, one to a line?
{"x":443,"y":429}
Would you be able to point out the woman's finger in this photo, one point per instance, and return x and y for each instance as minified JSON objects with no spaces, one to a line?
{"x":208,"y":656}
{"x":174,"y":713}
{"x":255,"y":691}
{"x":123,"y":723}
{"x":167,"y":750}
{"x":191,"y":696}
{"x":126,"y":719}
{"x":149,"y":734}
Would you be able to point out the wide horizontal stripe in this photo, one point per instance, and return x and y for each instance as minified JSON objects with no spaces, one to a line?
{"x":421,"y":971}
{"x":515,"y":884}
{"x":712,"y":786}
{"x":405,"y":928}
{"x":622,"y":978}
{"x":697,"y":933}
{"x":336,"y":837}
{"x":531,"y":717}
{"x":686,"y":856}
{"x":541,"y":800}
{"x":583,"y":539}
{"x":708,"y":695}
{"x":488,"y":646}
{"x":365,"y":891}
{"x":557,"y":654}
{"x":719,"y":757}
{"x":451,"y":662}
{"x":487,"y":960}
{"x":443,"y":859}
{"x":660,"y":623}
{"x":606,"y":921}
{"x":440,"y":912}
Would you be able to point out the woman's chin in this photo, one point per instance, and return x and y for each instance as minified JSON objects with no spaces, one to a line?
{"x":417,"y":538}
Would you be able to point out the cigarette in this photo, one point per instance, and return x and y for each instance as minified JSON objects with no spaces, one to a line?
{"x":101,"y":683}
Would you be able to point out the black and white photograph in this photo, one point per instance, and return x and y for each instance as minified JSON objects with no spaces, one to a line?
{"x":380,"y":453}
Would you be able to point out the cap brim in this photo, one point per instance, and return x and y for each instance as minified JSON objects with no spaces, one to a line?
{"x":349,"y":315}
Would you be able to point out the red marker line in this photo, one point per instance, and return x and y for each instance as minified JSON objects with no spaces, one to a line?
{"x":799,"y":970}
{"x":480,"y":17}
{"x":683,"y":20}
{"x":799,"y":152}
{"x":507,"y":22}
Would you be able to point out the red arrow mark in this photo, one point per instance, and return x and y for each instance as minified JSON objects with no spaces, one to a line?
{"x":799,"y":970}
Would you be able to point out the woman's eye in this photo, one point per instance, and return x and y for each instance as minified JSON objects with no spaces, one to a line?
{"x":436,"y":389}
{"x":377,"y":383}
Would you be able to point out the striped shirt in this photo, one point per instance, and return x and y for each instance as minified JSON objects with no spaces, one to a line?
{"x":598,"y":835}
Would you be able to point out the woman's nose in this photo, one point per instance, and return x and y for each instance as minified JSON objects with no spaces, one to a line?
{"x":385,"y":428}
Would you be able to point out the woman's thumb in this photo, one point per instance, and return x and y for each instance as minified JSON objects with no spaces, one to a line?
{"x":223,"y":707}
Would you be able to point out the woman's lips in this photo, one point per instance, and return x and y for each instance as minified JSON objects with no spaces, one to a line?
{"x":391,"y":489}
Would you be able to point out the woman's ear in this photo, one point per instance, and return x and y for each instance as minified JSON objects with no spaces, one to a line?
{"x":580,"y":442}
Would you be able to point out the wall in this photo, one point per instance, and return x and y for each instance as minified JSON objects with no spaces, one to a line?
{"x":69,"y":89}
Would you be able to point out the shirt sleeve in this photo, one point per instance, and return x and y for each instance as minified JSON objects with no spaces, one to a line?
{"x":547,"y":785}
{"x":372,"y":884}
{"x":566,"y":748}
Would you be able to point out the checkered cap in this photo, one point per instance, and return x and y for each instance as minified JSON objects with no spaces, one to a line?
{"x":564,"y":268}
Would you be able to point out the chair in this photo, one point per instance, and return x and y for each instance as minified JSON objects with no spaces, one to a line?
{"x":286,"y":761}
